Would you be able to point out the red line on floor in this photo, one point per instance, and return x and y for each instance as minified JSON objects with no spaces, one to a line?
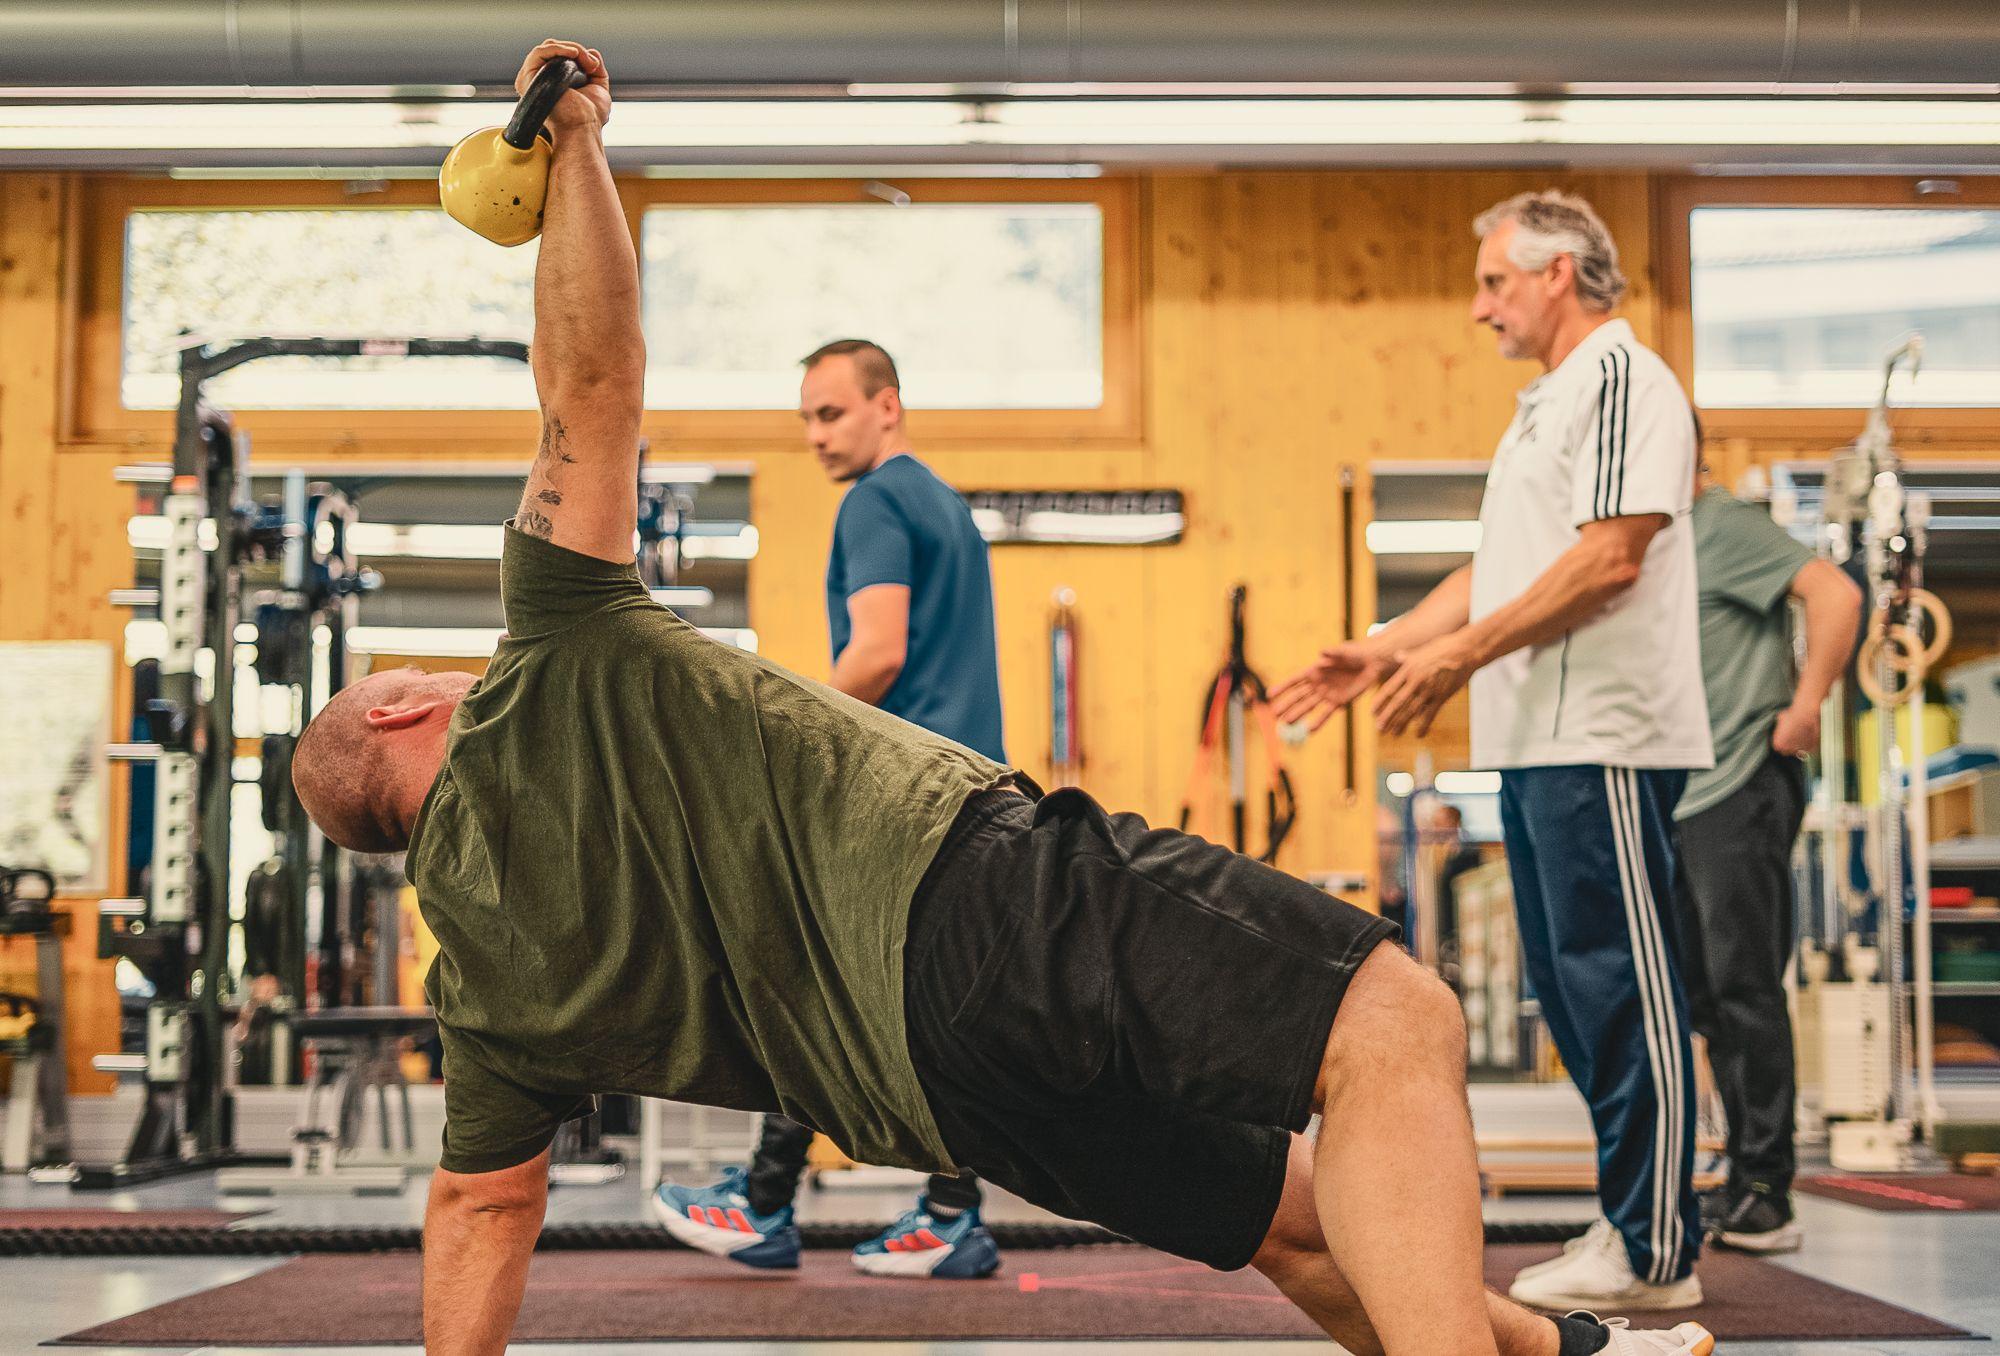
{"x":1894,"y":1193}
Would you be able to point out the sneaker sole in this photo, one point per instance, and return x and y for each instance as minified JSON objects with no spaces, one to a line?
{"x":709,"y":1239}
{"x":926,"y":1263}
{"x":900,"y":1263}
{"x":1787,"y":1238}
{"x":1685,"y":1294}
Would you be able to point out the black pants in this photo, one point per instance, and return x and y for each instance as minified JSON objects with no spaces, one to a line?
{"x":1735,"y":915}
{"x":780,"y":1161}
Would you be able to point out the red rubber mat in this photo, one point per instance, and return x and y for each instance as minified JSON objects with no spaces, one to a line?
{"x":1119,"y":1291}
{"x":1952,"y":1192}
{"x":122,"y":1219}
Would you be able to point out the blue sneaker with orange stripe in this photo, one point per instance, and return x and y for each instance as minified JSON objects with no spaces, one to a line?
{"x":920,"y":1244}
{"x":718,"y":1220}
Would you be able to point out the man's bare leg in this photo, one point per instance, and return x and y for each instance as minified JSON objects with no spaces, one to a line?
{"x":1295,"y":1259}
{"x":1395,"y":1172}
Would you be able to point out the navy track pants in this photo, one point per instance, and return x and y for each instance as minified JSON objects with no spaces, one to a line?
{"x":1591,"y":853}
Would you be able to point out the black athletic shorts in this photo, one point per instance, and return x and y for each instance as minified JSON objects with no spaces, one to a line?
{"x":1123,"y":1024}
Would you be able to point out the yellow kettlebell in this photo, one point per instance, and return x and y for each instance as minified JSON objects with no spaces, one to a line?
{"x":496,"y":180}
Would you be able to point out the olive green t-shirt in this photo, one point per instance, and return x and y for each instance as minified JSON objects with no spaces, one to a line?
{"x":656,"y":864}
{"x":1744,"y":565}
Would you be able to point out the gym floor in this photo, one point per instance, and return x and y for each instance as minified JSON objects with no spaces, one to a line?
{"x":1935,"y":1263}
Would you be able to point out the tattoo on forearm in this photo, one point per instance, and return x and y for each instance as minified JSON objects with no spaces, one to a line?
{"x":550,"y":459}
{"x":554,"y":451}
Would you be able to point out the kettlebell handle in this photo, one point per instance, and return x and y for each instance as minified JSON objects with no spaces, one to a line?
{"x":545,"y":91}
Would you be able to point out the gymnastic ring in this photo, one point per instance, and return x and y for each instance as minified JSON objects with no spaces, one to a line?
{"x":1941,"y":625}
{"x":1932,"y":606}
{"x":1909,"y":664}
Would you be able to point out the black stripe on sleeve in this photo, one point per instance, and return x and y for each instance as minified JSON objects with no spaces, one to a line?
{"x":1603,"y":415}
{"x":1624,"y":359}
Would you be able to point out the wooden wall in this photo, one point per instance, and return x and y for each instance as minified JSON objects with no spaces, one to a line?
{"x":1294,"y":324}
{"x":62,"y":536}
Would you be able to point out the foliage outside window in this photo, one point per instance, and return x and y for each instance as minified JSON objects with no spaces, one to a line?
{"x":1796,"y":307}
{"x":983,"y":305}
{"x":377,"y":273}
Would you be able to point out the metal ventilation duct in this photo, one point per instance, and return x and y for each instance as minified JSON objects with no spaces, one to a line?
{"x":779,"y":43}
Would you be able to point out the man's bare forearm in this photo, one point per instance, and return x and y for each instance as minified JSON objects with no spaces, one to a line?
{"x":1833,"y":620}
{"x":1443,"y":610}
{"x":589,"y":353}
{"x":587,"y":280}
{"x":475,"y":1271}
{"x":865,"y":675}
{"x":1570,"y":592}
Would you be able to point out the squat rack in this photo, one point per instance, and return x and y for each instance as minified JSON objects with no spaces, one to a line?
{"x":177,"y":929}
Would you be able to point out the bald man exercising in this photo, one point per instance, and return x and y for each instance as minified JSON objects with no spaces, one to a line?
{"x":658,"y":865}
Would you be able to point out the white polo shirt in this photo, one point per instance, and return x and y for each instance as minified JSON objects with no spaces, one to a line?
{"x":1607,"y":434}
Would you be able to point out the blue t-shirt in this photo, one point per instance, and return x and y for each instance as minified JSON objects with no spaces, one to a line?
{"x":900,"y":524}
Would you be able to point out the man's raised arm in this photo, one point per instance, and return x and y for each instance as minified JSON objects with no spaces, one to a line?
{"x":589,"y":354}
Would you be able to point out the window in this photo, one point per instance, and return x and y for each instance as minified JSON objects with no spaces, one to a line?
{"x":1013,"y":306}
{"x":392,"y":273}
{"x":1796,"y":307}
{"x":1848,"y":344}
{"x":985,"y":306}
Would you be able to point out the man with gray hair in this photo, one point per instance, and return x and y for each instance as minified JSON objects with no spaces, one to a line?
{"x":1575,"y":625}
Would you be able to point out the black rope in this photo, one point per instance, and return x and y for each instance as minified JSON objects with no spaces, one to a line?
{"x":277,"y":1241}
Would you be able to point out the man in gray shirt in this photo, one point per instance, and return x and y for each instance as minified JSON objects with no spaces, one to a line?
{"x":1736,"y":824}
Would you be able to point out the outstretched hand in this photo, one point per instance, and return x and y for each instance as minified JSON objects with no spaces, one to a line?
{"x":1425,"y":679}
{"x":1332,"y":681}
{"x":589,"y":106}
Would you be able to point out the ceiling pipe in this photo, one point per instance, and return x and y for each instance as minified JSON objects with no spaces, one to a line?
{"x":667,"y":45}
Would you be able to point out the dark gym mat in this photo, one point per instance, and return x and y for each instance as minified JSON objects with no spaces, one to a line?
{"x":1073,"y":1293}
{"x":122,"y":1219}
{"x":1958,"y":1192}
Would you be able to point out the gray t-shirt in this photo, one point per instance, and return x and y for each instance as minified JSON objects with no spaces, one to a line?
{"x":1744,"y":567}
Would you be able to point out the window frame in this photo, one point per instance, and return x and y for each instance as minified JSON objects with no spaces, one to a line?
{"x":1943,"y":426}
{"x":95,"y":414}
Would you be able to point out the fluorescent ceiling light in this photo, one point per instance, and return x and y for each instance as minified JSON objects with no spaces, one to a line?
{"x":738,"y":545}
{"x":1082,"y":529}
{"x":821,"y":124}
{"x":274,"y":126}
{"x":452,"y":541}
{"x":442,"y":642}
{"x":427,"y":541}
{"x":1376,"y":89}
{"x":954,"y":170}
{"x":37,"y":94}
{"x":683,"y":597}
{"x":1423,"y":537}
{"x":152,"y":532}
{"x":1448,"y":783}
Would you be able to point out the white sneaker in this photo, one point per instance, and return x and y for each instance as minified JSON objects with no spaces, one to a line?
{"x":1683,"y":1339}
{"x":1598,"y":1275}
{"x":1593,"y":1237}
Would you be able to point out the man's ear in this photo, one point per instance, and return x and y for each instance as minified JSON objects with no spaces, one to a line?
{"x":403,"y":717}
{"x":1562,"y":269}
{"x":892,"y":403}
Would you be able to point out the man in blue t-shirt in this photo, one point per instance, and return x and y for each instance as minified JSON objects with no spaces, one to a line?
{"x":909,"y":599}
{"x":909,"y":604}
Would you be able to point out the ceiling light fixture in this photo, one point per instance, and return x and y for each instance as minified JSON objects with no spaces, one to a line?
{"x":1050,"y":124}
